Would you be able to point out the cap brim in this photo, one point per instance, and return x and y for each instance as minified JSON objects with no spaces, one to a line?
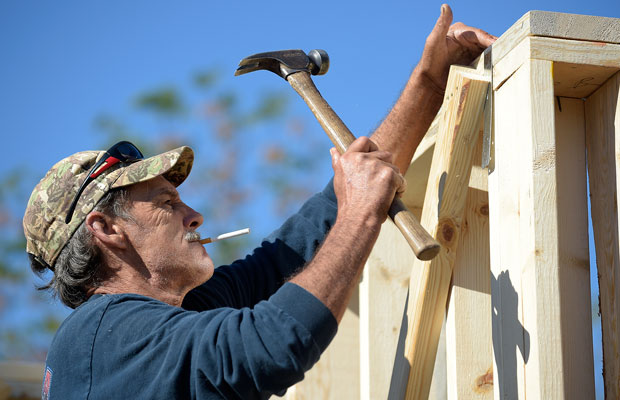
{"x":174,"y":165}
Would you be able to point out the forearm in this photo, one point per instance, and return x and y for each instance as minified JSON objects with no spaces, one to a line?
{"x":336,"y":268}
{"x":406,"y":124}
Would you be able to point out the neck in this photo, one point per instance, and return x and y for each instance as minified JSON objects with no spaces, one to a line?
{"x":119,"y":278}
{"x":174,"y":299}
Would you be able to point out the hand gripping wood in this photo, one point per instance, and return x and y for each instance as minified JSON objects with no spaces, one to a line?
{"x":422,"y":243}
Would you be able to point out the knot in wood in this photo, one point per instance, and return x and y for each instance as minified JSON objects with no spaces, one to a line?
{"x":484,"y":383}
{"x":447,"y":232}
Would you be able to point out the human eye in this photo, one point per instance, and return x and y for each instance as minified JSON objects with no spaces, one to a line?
{"x":171,"y":202}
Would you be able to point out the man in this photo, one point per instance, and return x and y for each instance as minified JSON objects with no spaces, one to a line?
{"x":154,"y":319}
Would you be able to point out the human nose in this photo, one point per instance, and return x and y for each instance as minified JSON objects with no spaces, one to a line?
{"x":193,"y":219}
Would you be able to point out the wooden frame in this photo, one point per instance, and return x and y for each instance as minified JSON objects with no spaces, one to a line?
{"x":522,"y":328}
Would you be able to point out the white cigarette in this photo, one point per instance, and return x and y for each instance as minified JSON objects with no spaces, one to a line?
{"x":226,"y":236}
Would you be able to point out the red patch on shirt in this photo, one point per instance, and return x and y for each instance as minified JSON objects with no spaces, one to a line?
{"x":47,"y":382}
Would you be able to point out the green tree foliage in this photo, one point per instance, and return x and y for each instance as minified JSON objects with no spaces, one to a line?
{"x":255,"y":162}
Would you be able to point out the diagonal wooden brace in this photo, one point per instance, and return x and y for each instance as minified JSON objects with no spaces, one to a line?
{"x":442,"y":214}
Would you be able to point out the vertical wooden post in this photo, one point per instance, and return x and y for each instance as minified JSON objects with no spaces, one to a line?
{"x":539,"y":254}
{"x":603,"y":139}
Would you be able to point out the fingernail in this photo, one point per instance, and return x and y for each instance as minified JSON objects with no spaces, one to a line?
{"x":443,"y":8}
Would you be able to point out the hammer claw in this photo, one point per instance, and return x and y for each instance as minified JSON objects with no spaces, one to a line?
{"x":247,"y":67}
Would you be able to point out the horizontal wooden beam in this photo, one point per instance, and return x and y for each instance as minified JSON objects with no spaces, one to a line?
{"x":557,"y":25}
{"x":579,"y":67}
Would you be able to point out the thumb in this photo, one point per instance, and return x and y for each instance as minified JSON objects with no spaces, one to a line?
{"x":335,"y":156}
{"x":443,"y":23}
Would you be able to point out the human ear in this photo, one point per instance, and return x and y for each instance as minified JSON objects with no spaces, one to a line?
{"x":104,"y":229}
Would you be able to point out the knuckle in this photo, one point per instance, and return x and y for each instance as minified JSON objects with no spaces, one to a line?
{"x":387,"y":174}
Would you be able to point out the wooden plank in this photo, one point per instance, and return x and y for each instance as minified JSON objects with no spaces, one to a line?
{"x":442,"y":216}
{"x":468,"y":328}
{"x":575,"y":51}
{"x":574,"y":253}
{"x":383,"y":293}
{"x":579,"y":80}
{"x":603,"y":142}
{"x":557,"y":25}
{"x":580,"y":68}
{"x":538,"y":216}
{"x":336,"y":375}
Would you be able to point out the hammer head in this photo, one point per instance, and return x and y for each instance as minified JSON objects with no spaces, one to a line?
{"x":286,"y":62}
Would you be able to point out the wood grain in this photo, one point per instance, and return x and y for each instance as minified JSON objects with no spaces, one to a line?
{"x":468,"y":327}
{"x":442,"y":215}
{"x":579,"y":69}
{"x":542,"y":339}
{"x":557,"y":25}
{"x":383,"y":294}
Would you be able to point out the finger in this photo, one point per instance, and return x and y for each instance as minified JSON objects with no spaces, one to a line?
{"x":362,"y":145}
{"x":384,"y":156}
{"x":335,"y":157}
{"x":401,"y":183}
{"x":473,"y":38}
{"x":442,"y":25}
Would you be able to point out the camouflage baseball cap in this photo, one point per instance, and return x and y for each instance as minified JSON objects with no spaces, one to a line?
{"x":44,"y":220}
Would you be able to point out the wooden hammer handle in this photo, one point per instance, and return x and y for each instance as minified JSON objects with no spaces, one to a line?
{"x":422,"y":243}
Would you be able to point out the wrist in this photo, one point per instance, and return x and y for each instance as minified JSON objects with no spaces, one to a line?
{"x":422,"y":80}
{"x":358,"y":222}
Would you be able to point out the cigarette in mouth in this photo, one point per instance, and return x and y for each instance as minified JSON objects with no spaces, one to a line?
{"x":226,"y":236}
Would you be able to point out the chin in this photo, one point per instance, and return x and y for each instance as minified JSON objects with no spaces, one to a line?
{"x":205,"y":270}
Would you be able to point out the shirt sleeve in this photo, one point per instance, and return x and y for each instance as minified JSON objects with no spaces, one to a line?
{"x":248,"y":281}
{"x":235,"y":353}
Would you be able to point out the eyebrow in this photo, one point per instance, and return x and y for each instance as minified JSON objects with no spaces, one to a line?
{"x":165,"y":191}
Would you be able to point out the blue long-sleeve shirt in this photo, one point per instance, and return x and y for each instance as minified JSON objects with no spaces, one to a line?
{"x":242,"y":334}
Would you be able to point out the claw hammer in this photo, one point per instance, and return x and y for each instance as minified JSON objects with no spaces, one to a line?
{"x":295,"y":66}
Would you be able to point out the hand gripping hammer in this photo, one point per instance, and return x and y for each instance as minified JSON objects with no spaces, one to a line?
{"x":295,"y":66}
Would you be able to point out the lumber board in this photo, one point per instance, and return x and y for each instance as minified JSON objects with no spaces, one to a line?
{"x":579,"y":69}
{"x":574,"y":252}
{"x":603,"y":144}
{"x":468,"y":327}
{"x":542,"y":341}
{"x":557,"y":25}
{"x":336,"y":375}
{"x":442,"y":216}
{"x":383,"y":293}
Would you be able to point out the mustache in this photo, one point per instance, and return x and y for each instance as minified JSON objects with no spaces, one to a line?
{"x":192,"y":236}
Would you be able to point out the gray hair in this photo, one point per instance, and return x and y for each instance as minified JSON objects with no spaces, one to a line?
{"x":77,"y":268}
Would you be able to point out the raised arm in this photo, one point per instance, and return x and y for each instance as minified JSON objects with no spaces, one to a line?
{"x":367,"y":175}
{"x":405,"y":125}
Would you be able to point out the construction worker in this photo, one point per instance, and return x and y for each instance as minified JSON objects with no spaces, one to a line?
{"x":154,"y":319}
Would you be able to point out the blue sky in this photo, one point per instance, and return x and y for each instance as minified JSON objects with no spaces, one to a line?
{"x":66,"y":62}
